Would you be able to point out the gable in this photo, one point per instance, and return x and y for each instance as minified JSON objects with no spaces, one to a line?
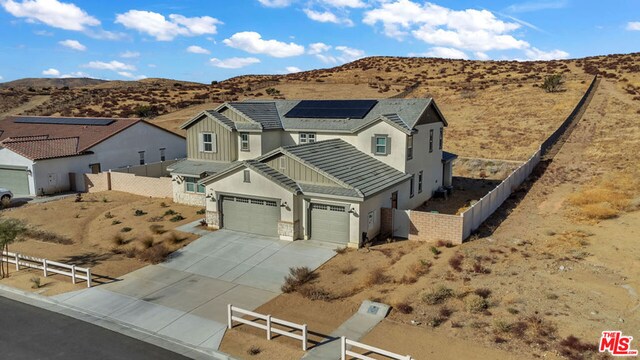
{"x":431,"y":115}
{"x":233,"y":114}
{"x":299,"y":171}
{"x":226,"y":140}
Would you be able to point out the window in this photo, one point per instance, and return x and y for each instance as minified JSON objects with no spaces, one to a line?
{"x":441,"y":138}
{"x":431,"y":140}
{"x":162,"y":155}
{"x":208,"y":142}
{"x":141,"y":157}
{"x":307,"y":138}
{"x":380,"y":145}
{"x":191,"y":185}
{"x":244,"y":142}
{"x":412,"y":184}
{"x":409,"y":147}
{"x":420,"y":182}
{"x":247,"y":176}
{"x":283,"y":162}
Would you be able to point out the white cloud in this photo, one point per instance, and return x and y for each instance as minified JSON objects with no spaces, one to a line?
{"x":234,"y":63}
{"x":349,"y":54}
{"x":197,"y":50}
{"x":156,"y":25}
{"x":481,"y":56}
{"x":253,"y":43}
{"x":345,"y":3}
{"x":113,"y":65}
{"x":327,"y":17}
{"x":73,"y":44}
{"x":633,"y":26}
{"x":1,"y":78}
{"x":131,"y":76}
{"x":77,"y":74}
{"x":54,"y":13}
{"x":290,"y":70}
{"x":152,"y":65}
{"x":275,"y":3}
{"x":130,"y":54}
{"x":446,"y":53}
{"x":317,"y":48}
{"x":43,"y":33}
{"x":537,"y":54}
{"x":51,"y":72}
{"x":537,"y":5}
{"x":345,"y":54}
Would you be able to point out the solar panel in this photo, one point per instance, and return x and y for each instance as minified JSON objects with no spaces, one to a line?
{"x":63,"y":121}
{"x":332,"y":109}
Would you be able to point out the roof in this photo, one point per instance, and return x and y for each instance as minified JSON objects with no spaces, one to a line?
{"x":447,"y":156}
{"x":274,"y":175}
{"x":196,"y":168}
{"x":264,"y":113}
{"x":347,"y":165}
{"x":38,"y":140}
{"x":228,"y":123}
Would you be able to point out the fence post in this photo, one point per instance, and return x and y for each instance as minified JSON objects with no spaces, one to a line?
{"x":73,"y":274}
{"x":17,"y":262}
{"x":305,"y":334}
{"x":343,"y":348}
{"x":229,"y":321}
{"x":44,"y":267}
{"x":268,"y":327}
{"x":88,"y":277}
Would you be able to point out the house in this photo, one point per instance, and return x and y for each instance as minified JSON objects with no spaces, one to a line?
{"x":45,"y":155}
{"x":312,"y":169}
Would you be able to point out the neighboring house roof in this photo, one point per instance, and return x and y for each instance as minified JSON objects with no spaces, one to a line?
{"x":264,"y":113}
{"x":197,"y":168}
{"x":42,"y":148}
{"x":447,"y":156}
{"x":225,"y":121}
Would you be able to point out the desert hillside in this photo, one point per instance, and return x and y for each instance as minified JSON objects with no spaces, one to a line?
{"x":484,"y":101}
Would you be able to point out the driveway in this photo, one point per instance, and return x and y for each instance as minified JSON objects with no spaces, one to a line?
{"x":185,"y":299}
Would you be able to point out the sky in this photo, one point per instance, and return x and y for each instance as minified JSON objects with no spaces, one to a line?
{"x":206,"y":40}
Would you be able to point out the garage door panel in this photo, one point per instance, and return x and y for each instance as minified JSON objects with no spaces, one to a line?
{"x":250,"y":215}
{"x":15,"y":180}
{"x":330,"y":223}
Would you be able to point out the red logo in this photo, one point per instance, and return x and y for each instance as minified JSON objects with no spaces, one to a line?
{"x":616,"y":344}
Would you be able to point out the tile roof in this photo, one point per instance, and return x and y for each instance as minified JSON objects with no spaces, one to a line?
{"x":349,"y":166}
{"x":198,"y":168}
{"x":223,"y":119}
{"x":328,"y":190}
{"x":54,"y":140}
{"x":264,"y":113}
{"x":274,"y":175}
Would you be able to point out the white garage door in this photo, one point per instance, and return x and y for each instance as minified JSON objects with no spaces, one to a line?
{"x":15,"y":179}
{"x":256,"y":216}
{"x":330,"y":223}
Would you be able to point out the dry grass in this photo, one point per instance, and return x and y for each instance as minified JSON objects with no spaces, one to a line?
{"x":376,"y":277}
{"x":155,"y":254}
{"x":297,"y":277}
{"x":609,"y":198}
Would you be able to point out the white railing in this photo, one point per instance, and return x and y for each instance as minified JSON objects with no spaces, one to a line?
{"x":344,"y":352}
{"x":270,"y":321}
{"x":47,"y":266}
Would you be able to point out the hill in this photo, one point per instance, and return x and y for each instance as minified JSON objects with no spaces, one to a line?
{"x":51,"y":83}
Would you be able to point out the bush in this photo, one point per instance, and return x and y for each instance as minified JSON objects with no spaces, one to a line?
{"x":254,"y":350}
{"x":348,"y":269}
{"x":173,"y":238}
{"x":47,"y":236}
{"x":177,"y":218}
{"x":482,"y":292}
{"x":146,"y":241}
{"x":201,"y":212}
{"x":169,"y":212}
{"x":552,"y":83}
{"x":108,"y":215}
{"x":456,"y":262}
{"x":297,"y":277}
{"x":116,"y":222}
{"x":126,"y":229}
{"x":340,"y":250}
{"x":118,"y":240}
{"x":315,"y":293}
{"x":155,"y":254}
{"x":377,"y":277}
{"x":157,"y":229}
{"x":404,"y":308}
{"x":476,"y":304}
{"x":139,"y":213}
{"x":164,"y":204}
{"x":435,"y":251}
{"x":438,"y":296}
{"x":36,"y":282}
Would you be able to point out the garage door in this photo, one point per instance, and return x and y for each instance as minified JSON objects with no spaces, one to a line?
{"x":14,"y":179}
{"x":330,"y":223}
{"x":250,"y":215}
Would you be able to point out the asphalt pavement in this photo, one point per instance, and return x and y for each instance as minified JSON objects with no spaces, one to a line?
{"x":28,"y":332}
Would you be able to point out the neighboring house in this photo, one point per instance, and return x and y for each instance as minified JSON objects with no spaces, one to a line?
{"x":312,"y":169}
{"x":46,"y":155}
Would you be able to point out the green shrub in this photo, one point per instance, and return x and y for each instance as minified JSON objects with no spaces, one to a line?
{"x":438,"y":296}
{"x":177,"y":218}
{"x":476,"y":304}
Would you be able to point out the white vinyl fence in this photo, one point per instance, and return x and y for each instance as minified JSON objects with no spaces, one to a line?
{"x":344,"y":352}
{"x":270,"y":321}
{"x":47,"y":266}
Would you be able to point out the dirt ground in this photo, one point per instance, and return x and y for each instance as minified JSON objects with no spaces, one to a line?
{"x":466,"y":191}
{"x":90,"y":227}
{"x":540,"y":280}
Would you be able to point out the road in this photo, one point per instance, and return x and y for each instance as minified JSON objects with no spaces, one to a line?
{"x":28,"y":332}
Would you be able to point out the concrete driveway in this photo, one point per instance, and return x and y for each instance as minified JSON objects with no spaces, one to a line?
{"x":185,"y":298}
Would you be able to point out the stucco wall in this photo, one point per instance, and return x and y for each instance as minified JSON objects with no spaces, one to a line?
{"x":58,"y":170}
{"x":130,"y":183}
{"x":255,"y":146}
{"x":429,"y":163}
{"x":8,"y":157}
{"x":382,"y":200}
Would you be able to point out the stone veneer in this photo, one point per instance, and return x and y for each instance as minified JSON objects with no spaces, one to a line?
{"x":285,"y":230}
{"x":213,"y":219}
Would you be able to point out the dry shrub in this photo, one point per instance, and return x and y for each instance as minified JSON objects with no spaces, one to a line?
{"x":155,"y":254}
{"x":341,"y":250}
{"x":572,"y":348}
{"x":157,"y":229}
{"x":601,"y":211}
{"x":146,"y":241}
{"x":483,"y":292}
{"x":297,"y":277}
{"x":456,"y":262}
{"x":377,"y":277}
{"x":404,"y":308}
{"x":415,"y":271}
{"x":47,"y":236}
{"x":539,"y":326}
{"x":348,"y":269}
{"x":118,"y":240}
{"x":608,"y":198}
{"x":438,"y":296}
{"x":476,"y":304}
{"x":312,"y":292}
{"x":173,"y":238}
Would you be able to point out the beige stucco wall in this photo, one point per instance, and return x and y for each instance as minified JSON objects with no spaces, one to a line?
{"x":227,"y":148}
{"x":429,"y":163}
{"x":255,"y":146}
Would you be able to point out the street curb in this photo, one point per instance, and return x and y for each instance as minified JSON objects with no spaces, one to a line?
{"x":162,"y":341}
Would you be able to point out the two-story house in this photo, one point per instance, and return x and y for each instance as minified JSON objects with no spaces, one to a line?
{"x":312,"y":169}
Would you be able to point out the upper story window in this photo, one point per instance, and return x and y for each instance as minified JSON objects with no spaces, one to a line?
{"x":162,"y":154}
{"x":409,"y":147}
{"x":431,"y":140}
{"x":420,"y":181}
{"x":307,"y":138}
{"x":441,"y":138}
{"x":381,"y":144}
{"x":141,"y":153}
{"x":244,"y":141}
{"x":412,"y":183}
{"x":191,"y":185}
{"x":208,"y":142}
